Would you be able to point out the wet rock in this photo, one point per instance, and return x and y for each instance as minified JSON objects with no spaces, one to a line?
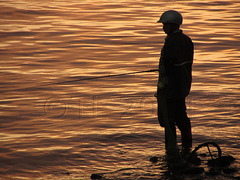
{"x":228,"y":158}
{"x":178,"y":166}
{"x":213,"y":172}
{"x":223,"y":161}
{"x":96,"y":176}
{"x":229,"y":170}
{"x":154,"y":159}
{"x":195,"y":161}
{"x":193,"y":170}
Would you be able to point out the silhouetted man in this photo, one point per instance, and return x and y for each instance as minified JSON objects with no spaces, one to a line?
{"x":175,"y":77}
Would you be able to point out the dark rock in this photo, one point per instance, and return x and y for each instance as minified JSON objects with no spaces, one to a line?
{"x":193,"y":170}
{"x":178,"y":166}
{"x":229,"y":170}
{"x":154,"y":159}
{"x":96,"y":176}
{"x":213,"y":172}
{"x":228,"y":158}
{"x":223,"y":161}
{"x":195,"y":161}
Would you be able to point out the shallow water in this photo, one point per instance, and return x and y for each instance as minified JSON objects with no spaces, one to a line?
{"x":53,"y":129}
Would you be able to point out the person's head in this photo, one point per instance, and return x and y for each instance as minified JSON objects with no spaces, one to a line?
{"x":171,"y":21}
{"x":169,"y":28}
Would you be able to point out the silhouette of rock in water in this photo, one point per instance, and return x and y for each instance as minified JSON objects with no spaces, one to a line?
{"x":154,"y":159}
{"x":222,"y":161}
{"x":96,"y":176}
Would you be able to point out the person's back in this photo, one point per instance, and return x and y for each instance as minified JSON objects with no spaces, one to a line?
{"x":177,"y":61}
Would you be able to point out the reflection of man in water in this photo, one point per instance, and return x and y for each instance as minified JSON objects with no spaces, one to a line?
{"x":175,"y":77}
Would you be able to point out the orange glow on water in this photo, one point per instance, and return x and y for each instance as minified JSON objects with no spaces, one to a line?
{"x":107,"y":124}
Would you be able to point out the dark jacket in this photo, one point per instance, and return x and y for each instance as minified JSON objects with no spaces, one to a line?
{"x":175,"y":64}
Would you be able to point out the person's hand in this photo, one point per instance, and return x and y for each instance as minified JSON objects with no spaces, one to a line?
{"x":155,"y":94}
{"x":162,"y":83}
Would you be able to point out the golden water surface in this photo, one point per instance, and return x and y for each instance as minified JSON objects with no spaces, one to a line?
{"x":55,"y":126}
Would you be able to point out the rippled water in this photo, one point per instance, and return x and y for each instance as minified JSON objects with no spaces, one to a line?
{"x":53,"y":129}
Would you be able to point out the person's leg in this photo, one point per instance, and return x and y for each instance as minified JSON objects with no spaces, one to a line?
{"x":183,"y":123}
{"x":173,"y":132}
{"x":166,"y":119}
{"x":171,"y":111}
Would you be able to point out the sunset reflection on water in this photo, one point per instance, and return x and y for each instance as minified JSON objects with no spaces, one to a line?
{"x":54,"y":128}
